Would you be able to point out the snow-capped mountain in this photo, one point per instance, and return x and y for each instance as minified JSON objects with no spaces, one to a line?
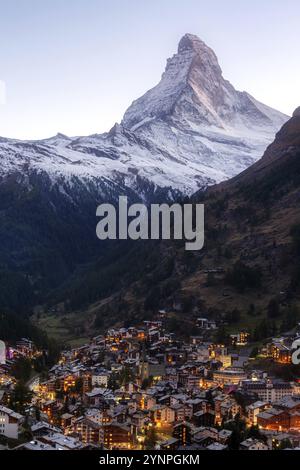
{"x":192,"y":130}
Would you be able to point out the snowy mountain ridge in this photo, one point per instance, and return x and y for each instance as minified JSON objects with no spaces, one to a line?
{"x":190,"y":131}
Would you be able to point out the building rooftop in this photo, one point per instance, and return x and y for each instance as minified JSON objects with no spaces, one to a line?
{"x":11,"y":413}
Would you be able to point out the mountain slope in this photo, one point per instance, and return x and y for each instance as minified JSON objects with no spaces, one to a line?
{"x":192,"y":130}
{"x":250,"y":260}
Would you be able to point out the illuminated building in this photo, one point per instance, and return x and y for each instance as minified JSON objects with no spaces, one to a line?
{"x":240,"y":339}
{"x":66,"y":420}
{"x":253,"y":410}
{"x":229,"y":376}
{"x":100,"y":379}
{"x":215,"y":350}
{"x":283,"y":416}
{"x":118,"y":436}
{"x":69,"y":383}
{"x":88,"y":430}
{"x":183,"y":433}
{"x":279,"y":352}
{"x":163,"y":415}
{"x":156,"y":371}
{"x":269,"y":391}
{"x":48,"y":389}
{"x":86,"y":383}
{"x":112,"y":435}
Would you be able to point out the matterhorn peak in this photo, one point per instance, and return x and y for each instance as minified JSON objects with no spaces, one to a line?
{"x":192,"y":43}
{"x":193,"y":93}
{"x":193,"y":73}
{"x":204,"y":60}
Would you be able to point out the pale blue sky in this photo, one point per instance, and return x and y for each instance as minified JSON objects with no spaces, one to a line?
{"x":74,"y":66}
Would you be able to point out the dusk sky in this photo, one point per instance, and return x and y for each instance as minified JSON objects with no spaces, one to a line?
{"x":74,"y":66}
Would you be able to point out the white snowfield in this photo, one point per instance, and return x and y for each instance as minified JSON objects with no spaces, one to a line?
{"x":190,"y":131}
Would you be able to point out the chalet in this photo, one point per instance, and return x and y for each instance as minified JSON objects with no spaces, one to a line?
{"x":253,"y":410}
{"x":253,"y":444}
{"x":118,"y":436}
{"x":10,"y":422}
{"x":204,"y":418}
